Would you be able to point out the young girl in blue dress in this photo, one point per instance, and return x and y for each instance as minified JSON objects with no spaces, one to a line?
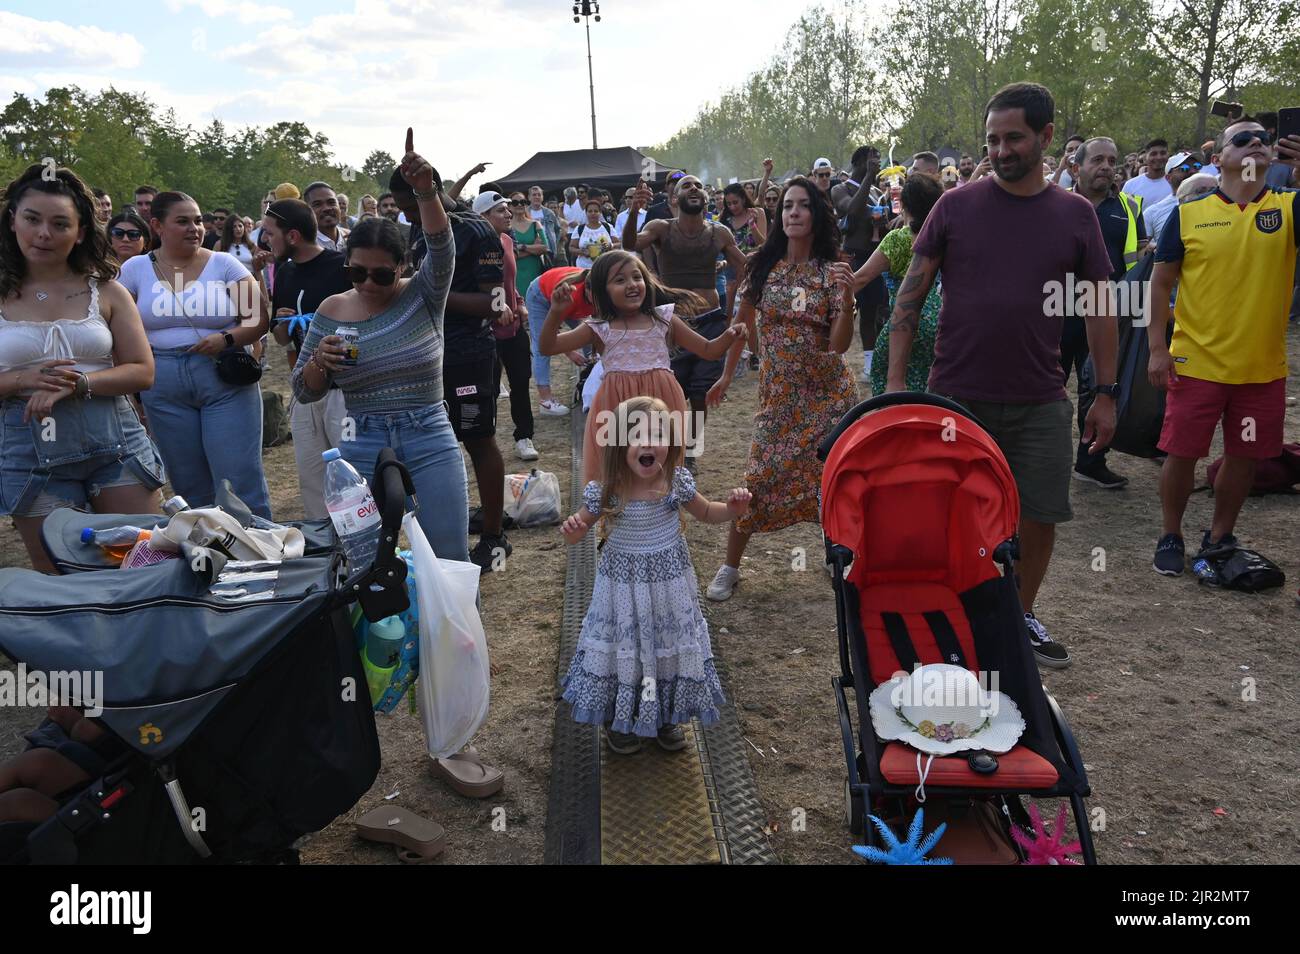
{"x":643,"y":663}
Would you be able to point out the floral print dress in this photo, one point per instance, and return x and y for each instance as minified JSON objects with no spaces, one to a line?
{"x":803,"y":391}
{"x":897,"y":247}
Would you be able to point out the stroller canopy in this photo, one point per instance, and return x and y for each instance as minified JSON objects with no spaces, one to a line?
{"x":919,"y":492}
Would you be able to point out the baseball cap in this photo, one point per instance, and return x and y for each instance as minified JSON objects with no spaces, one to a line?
{"x":487,"y":201}
{"x":823,"y":163}
{"x":1176,"y":161}
{"x":287,"y":190}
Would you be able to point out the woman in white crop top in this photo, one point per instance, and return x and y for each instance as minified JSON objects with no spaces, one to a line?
{"x":71,"y":347}
{"x":196,"y":303}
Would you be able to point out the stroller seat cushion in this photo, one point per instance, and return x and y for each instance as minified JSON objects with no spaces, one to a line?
{"x":1020,"y":769}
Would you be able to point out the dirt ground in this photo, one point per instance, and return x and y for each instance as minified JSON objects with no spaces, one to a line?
{"x":1179,"y":697}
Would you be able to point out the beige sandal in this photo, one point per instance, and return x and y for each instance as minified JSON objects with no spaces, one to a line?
{"x":417,"y":840}
{"x":467,"y":775}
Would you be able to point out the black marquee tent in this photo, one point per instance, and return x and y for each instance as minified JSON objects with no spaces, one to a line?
{"x":609,"y":169}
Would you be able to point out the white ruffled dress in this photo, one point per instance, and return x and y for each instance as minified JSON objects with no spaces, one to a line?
{"x":644,"y":659}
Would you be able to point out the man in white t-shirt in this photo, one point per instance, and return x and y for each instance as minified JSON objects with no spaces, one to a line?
{"x":592,"y":238}
{"x":1177,"y":169}
{"x":573,"y":211}
{"x":1152,"y":186}
{"x":621,"y":220}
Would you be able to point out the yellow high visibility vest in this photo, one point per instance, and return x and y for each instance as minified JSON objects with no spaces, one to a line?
{"x":1133,"y":207}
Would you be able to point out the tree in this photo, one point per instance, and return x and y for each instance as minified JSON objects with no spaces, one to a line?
{"x":379,"y":165}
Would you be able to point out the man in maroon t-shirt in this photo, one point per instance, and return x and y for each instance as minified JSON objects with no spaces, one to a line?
{"x":1015,"y":252}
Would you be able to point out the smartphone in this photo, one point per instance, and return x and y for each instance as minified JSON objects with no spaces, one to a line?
{"x":984,"y":151}
{"x":1230,"y":111}
{"x":1288,"y":121}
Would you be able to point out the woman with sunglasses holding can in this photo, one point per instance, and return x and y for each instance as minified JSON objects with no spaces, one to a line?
{"x":382,"y":344}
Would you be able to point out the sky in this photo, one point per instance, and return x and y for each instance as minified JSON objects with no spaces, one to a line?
{"x":484,"y":81}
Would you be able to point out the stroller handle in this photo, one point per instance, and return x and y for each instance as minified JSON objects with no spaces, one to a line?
{"x":390,"y":486}
{"x":882,"y":401}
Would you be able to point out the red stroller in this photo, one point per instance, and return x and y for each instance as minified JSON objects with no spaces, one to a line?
{"x":919,"y":511}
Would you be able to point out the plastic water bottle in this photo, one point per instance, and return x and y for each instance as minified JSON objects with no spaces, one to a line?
{"x":116,"y":542}
{"x":352,"y":509}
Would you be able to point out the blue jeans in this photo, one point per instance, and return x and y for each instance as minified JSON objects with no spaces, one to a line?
{"x":207,"y":430}
{"x":538,"y":305}
{"x":424,"y":441}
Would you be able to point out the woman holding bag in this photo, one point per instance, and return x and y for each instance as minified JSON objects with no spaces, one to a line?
{"x":201,"y":309}
{"x":393,"y":389}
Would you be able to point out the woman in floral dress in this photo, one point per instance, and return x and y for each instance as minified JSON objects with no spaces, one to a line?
{"x":892,"y":259}
{"x":803,"y":294}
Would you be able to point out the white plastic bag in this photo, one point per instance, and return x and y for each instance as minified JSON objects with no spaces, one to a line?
{"x":453,"y":684}
{"x":533,"y":499}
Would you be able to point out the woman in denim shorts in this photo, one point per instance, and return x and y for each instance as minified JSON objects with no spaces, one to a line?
{"x":71,"y":347}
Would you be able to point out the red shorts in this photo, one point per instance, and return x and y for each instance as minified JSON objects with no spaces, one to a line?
{"x":1251,"y":414}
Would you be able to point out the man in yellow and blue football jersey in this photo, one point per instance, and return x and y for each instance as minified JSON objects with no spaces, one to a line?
{"x":1233,"y":254}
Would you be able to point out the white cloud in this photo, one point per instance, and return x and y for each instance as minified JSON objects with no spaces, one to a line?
{"x":242,"y":10}
{"x":51,"y":44}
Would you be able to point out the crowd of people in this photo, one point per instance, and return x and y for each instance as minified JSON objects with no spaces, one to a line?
{"x":139,"y":334}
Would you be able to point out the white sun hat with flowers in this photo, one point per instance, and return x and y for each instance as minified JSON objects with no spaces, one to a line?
{"x":941,"y":709}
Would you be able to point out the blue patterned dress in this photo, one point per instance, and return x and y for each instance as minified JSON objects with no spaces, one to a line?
{"x":643,"y":659}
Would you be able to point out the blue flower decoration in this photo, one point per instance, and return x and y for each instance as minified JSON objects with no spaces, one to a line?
{"x":911,"y":852}
{"x":300,"y":322}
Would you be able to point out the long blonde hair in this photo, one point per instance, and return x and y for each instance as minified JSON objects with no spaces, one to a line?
{"x":617,"y":476}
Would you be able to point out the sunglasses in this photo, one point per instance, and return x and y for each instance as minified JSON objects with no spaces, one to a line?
{"x":518,"y":201}
{"x":380,"y":276}
{"x":1243,"y":138}
{"x":1190,"y":166}
{"x":132,"y":234}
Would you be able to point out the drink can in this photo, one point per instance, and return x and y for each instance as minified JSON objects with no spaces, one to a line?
{"x":351,"y":345}
{"x":175,"y":505}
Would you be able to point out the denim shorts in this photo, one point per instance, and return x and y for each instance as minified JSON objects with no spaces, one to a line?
{"x":66,"y":459}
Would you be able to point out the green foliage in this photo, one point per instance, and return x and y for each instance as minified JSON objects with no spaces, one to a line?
{"x":117,"y":141}
{"x":922,"y":74}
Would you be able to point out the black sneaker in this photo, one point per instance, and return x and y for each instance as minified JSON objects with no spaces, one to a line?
{"x":1101,"y":475}
{"x":487,"y":551}
{"x":1171,"y":555}
{"x":753,"y":362}
{"x":1047,"y":651}
{"x":1225,"y":546}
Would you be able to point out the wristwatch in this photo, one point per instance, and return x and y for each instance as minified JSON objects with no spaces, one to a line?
{"x":1110,"y":390}
{"x":230,"y":339}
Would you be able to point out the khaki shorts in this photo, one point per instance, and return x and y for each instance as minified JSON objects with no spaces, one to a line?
{"x":1038,"y":443}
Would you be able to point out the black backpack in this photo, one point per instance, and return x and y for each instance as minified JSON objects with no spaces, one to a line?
{"x":1239,"y":569}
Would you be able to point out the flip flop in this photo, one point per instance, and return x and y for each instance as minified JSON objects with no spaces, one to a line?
{"x":417,"y":839}
{"x":467,"y":775}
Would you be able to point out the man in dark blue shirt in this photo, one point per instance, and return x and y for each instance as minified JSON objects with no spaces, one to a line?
{"x":1121,"y":226}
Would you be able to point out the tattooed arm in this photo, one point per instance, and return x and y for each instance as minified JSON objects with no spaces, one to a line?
{"x":906,"y":317}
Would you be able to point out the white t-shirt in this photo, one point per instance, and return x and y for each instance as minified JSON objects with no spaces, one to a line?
{"x":242,"y":253}
{"x":1155,"y":216}
{"x":574,"y":214}
{"x":1066,"y":180}
{"x":206,"y":304}
{"x":591,"y":243}
{"x":622,"y":221}
{"x":1151,"y":190}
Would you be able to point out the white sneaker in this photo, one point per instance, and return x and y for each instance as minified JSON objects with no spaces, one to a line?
{"x":525,"y":450}
{"x":724,"y":584}
{"x":553,"y":408}
{"x":505,"y":391}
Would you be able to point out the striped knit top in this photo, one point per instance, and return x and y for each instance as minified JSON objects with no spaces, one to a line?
{"x":400,"y":350}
